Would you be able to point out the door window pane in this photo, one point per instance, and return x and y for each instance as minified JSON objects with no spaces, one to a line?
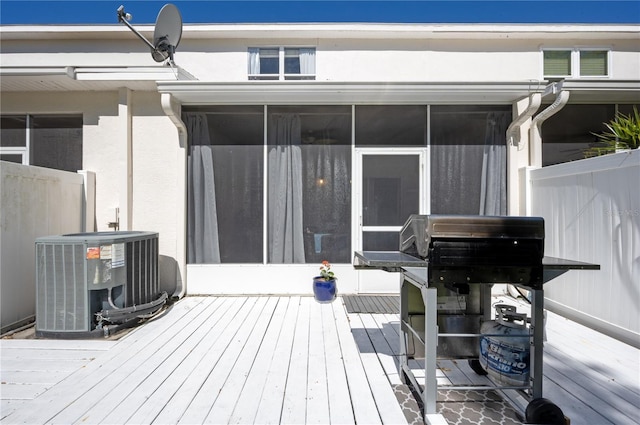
{"x":385,"y":125}
{"x":390,"y":189}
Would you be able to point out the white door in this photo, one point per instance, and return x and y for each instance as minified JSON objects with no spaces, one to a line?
{"x":392,"y":184}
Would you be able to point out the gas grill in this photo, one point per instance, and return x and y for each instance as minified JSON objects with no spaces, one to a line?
{"x":448,"y":265}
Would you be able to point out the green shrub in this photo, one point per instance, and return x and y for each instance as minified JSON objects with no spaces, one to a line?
{"x":623,"y":133}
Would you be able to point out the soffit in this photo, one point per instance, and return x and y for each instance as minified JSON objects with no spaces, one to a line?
{"x":316,"y":93}
{"x":52,"y":79}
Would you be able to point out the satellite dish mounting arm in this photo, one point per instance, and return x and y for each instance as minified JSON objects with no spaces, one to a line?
{"x":123,"y":18}
{"x":167,"y":32}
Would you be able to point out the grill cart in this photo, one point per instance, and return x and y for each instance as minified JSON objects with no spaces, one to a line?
{"x":448,"y":265}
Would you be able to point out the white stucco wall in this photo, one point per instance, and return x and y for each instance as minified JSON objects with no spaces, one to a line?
{"x":156,"y":179}
{"x":132,"y":147}
{"x":344,"y":52}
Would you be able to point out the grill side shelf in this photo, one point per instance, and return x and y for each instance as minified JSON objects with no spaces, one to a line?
{"x":390,"y":261}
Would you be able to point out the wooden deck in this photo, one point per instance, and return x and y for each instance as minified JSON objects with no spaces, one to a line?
{"x":278,"y":360}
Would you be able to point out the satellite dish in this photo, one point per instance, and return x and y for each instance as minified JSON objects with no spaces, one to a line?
{"x":167,"y":33}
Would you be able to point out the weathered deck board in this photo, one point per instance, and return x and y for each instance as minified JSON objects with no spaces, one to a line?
{"x":374,"y":304}
{"x":387,"y":403}
{"x":272,"y":399}
{"x":221,"y":368}
{"x":364,"y":405}
{"x":165,"y":381}
{"x":278,"y":360}
{"x":340,"y":411}
{"x":43,"y":409}
{"x":247,"y":401}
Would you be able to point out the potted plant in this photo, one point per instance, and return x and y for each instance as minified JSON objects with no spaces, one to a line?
{"x":324,"y":286}
{"x":623,"y":134}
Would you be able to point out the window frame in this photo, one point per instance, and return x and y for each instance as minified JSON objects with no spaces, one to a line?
{"x":27,"y":151}
{"x":574,"y":61}
{"x":281,"y":75}
{"x":21,"y":150}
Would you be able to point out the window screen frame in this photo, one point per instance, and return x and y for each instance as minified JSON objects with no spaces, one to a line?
{"x":281,"y":75}
{"x":575,"y":62}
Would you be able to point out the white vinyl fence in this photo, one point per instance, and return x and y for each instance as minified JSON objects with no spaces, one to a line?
{"x":592,"y":214}
{"x":35,"y":202}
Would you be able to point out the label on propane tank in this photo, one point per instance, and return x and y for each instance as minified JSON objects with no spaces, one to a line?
{"x":507,"y":362}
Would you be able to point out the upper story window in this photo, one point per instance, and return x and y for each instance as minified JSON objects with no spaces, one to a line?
{"x":282,"y":63}
{"x":575,"y":63}
{"x":52,"y":141}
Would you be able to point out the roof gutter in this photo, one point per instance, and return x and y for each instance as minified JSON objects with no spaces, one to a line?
{"x":535,"y":132}
{"x":172,"y":110}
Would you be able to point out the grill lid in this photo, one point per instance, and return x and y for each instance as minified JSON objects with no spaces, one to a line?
{"x":421,"y":233}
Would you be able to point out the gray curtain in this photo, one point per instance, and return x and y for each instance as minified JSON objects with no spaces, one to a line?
{"x":202,"y":233}
{"x":468,"y":162}
{"x":493,"y":183}
{"x":285,"y":227}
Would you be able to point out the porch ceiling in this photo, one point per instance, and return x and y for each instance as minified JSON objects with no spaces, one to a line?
{"x":319,"y":92}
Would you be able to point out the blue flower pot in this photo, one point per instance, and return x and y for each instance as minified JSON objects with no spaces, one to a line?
{"x":324,"y":291}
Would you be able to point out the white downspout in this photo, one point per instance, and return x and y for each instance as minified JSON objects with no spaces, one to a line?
{"x":513,"y":145}
{"x":535,"y":135}
{"x":513,"y":132}
{"x":172,"y":110}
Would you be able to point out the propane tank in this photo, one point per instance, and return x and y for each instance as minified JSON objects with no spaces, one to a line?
{"x":504,"y":346}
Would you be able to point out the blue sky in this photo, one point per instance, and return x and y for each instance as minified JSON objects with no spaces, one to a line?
{"x":245,"y":11}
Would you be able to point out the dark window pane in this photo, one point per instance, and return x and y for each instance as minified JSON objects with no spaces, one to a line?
{"x":566,"y":134}
{"x":236,"y":144}
{"x":292,"y":61}
{"x":320,"y":136}
{"x":390,"y":189}
{"x":462,"y":137}
{"x":56,"y":142}
{"x":9,"y":157}
{"x":384,"y":125}
{"x":593,"y":63}
{"x":269,"y":62}
{"x":380,"y":241}
{"x":557,"y":63}
{"x":13,"y":131}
